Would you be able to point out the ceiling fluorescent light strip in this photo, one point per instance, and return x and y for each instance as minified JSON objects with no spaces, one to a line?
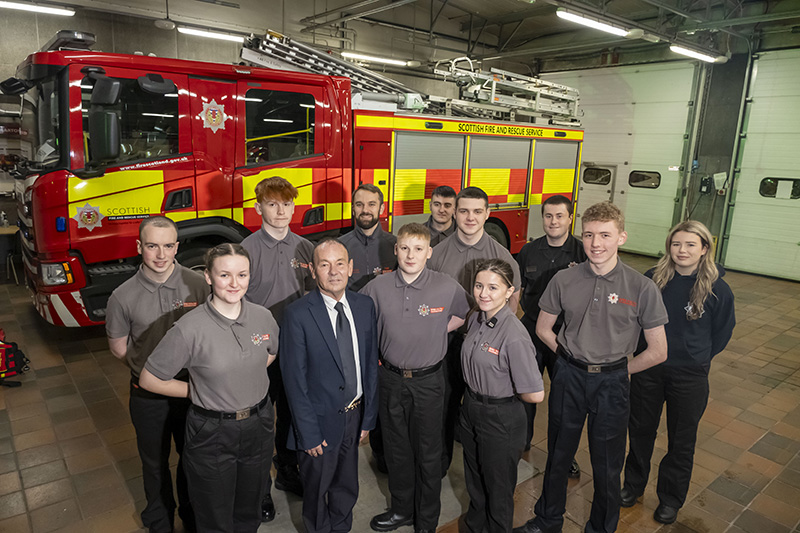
{"x":375,"y":59}
{"x":692,"y":53}
{"x":591,"y":22}
{"x":211,"y":34}
{"x":38,"y":8}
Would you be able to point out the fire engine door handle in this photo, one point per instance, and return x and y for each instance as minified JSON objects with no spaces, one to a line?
{"x":179,"y":199}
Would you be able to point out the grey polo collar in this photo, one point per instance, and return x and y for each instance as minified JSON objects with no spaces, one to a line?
{"x":613,"y":275}
{"x":223,"y":321}
{"x":462,"y":247}
{"x":152,"y":286}
{"x":363,"y":237}
{"x":270,"y":241}
{"x":418,"y":283}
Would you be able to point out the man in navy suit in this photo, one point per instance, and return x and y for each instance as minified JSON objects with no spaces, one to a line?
{"x":329,"y":360}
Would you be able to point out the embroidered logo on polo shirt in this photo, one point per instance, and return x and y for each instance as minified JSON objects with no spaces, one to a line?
{"x":614,"y":298}
{"x":259,"y":338}
{"x":296,"y":263}
{"x":377,"y":271}
{"x":180,"y":304}
{"x":425,"y":310}
{"x":572,"y":264}
{"x":486,"y":348}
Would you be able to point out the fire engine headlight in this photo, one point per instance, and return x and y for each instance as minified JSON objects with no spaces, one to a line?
{"x":56,"y":273}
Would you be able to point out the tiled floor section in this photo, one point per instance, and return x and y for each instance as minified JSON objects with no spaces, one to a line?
{"x":68,"y":459}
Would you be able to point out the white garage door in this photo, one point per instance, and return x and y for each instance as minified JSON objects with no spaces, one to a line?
{"x":763,"y":234}
{"x":639,"y":125}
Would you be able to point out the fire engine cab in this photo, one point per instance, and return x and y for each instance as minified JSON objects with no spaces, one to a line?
{"x":111,"y":139}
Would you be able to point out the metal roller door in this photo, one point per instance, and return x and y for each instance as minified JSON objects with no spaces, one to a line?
{"x":763,"y":226}
{"x":639,"y":123}
{"x":423,"y":161}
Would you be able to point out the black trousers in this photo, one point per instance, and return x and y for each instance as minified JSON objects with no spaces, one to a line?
{"x":454,"y":387}
{"x":493,"y":437}
{"x":283,"y":418}
{"x":158,"y":420}
{"x":545,"y":358}
{"x":330,"y":481}
{"x":227,"y":465}
{"x":410,"y":409}
{"x":574,"y":395}
{"x":685,"y":391}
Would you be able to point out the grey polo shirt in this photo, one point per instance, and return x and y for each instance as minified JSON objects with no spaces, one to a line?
{"x":226,"y":359}
{"x":372,"y":256}
{"x":498,"y":357}
{"x":144,"y":310}
{"x":279,"y":270}
{"x":603,"y":315}
{"x":460,"y":261}
{"x":436,"y":235}
{"x":413,"y":317}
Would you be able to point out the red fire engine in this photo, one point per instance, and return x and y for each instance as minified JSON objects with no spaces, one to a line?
{"x":111,"y":139}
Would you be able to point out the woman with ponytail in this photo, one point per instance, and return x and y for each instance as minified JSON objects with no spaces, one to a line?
{"x":701,"y":321}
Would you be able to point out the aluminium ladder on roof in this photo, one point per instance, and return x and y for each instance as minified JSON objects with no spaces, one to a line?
{"x":278,"y":51}
{"x":500,"y":95}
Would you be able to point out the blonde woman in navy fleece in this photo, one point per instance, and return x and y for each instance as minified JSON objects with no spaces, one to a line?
{"x":701,"y":321}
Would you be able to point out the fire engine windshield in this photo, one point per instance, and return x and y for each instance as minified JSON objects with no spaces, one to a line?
{"x":41,"y":145}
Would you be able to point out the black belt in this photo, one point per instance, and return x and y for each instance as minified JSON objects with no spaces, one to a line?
{"x":416,"y":373}
{"x":592,"y":369}
{"x":490,"y":399}
{"x":237,"y":415}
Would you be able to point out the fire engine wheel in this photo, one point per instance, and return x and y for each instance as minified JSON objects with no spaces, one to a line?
{"x":193,"y":256}
{"x":497,"y":233}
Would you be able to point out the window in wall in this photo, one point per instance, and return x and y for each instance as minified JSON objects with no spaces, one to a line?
{"x":148,"y":123}
{"x":786,"y":188}
{"x":279,"y":125}
{"x":597,"y":176}
{"x":644,"y":179}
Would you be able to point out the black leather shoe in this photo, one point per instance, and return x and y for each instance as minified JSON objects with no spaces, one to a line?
{"x":389,"y":521}
{"x":267,"y":509}
{"x":627,"y":498}
{"x":528,"y":527}
{"x":574,"y":470}
{"x":665,"y":514}
{"x":424,"y":531}
{"x":288,"y":479}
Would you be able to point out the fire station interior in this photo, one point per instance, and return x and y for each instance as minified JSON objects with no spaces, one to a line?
{"x":709,"y":136}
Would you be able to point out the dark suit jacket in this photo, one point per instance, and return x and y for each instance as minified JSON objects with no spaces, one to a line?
{"x":312,"y":369}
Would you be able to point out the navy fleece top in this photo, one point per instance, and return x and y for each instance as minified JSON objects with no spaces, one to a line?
{"x":696,"y":342}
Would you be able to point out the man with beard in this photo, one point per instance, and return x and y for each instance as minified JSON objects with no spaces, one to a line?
{"x":370,"y":248}
{"x":372,"y":251}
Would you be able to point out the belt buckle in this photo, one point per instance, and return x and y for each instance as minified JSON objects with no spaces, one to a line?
{"x":408,"y":373}
{"x":243,"y":414}
{"x":594,"y":369}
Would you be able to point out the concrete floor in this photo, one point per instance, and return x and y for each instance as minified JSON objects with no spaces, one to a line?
{"x":68,"y":459}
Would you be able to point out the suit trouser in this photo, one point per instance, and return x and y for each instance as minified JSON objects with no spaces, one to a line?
{"x":410,"y":409}
{"x":493,"y":439}
{"x":454,"y":387}
{"x":226,"y":466}
{"x":330,"y":481}
{"x":158,"y":420}
{"x":545,"y":358}
{"x":574,"y":394}
{"x":685,"y":391}
{"x":283,"y":418}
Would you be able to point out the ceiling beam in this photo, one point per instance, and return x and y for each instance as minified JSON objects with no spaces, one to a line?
{"x":721,"y":24}
{"x":508,"y":18}
{"x":346,"y":18}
